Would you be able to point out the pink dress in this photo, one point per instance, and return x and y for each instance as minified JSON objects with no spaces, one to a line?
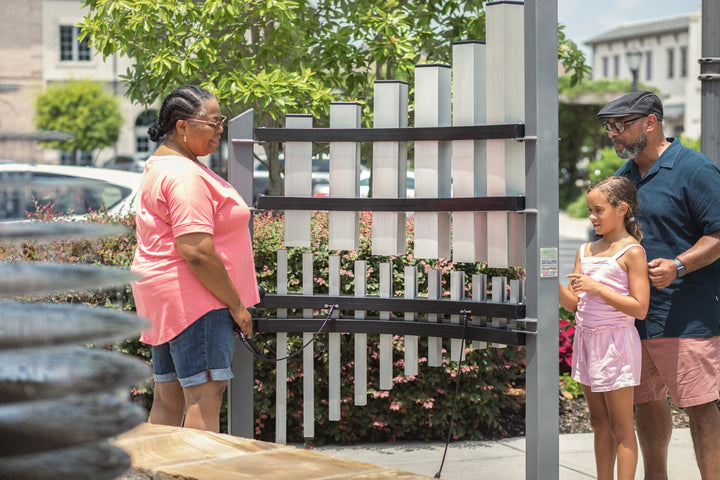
{"x":606,"y":348}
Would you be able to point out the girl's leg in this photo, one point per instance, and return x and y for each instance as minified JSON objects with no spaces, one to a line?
{"x":620,"y":410}
{"x":604,"y":442}
{"x":168,"y":404}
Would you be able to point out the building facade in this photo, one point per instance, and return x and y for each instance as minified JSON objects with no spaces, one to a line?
{"x":669,"y":50}
{"x":38,"y":47}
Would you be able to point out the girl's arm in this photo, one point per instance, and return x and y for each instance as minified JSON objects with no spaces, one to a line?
{"x":636,"y":302}
{"x":568,"y":298}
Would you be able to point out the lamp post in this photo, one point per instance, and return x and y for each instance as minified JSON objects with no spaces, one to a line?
{"x":633,"y":60}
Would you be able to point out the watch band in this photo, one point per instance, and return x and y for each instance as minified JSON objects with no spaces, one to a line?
{"x":680,"y":268}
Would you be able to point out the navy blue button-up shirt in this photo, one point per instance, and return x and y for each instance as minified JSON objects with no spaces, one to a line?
{"x":679,"y":201}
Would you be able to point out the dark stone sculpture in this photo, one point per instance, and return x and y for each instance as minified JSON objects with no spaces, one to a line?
{"x":61,"y":401}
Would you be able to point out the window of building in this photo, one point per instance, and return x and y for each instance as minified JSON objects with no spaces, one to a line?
{"x":616,"y":66}
{"x":683,"y":62}
{"x":72,"y":50}
{"x":648,"y":65}
{"x":83,"y":158}
{"x":605,"y":67}
{"x":143,"y":145}
{"x":670,"y":62}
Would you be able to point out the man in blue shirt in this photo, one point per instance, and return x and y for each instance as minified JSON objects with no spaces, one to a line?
{"x":679,"y":197}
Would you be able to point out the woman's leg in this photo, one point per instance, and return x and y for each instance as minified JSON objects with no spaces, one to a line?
{"x":620,"y":411}
{"x":203,"y":405}
{"x":604,"y":442}
{"x":168,"y":404}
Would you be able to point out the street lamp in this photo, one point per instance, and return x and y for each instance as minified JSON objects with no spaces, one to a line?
{"x":633,"y":59}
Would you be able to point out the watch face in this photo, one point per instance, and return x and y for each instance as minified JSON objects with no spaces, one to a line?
{"x":680,"y":268}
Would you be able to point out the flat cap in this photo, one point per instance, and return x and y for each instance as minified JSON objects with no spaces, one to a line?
{"x":644,"y":103}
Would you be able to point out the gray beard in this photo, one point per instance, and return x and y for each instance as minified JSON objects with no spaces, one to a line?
{"x":632,"y":150}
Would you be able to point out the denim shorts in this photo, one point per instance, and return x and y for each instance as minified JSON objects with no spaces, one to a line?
{"x":200,"y":353}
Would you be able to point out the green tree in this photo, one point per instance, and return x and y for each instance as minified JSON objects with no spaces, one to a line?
{"x":82,"y":108}
{"x":282,"y":56}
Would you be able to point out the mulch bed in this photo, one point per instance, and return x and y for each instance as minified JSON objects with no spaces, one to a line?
{"x":574,"y":416}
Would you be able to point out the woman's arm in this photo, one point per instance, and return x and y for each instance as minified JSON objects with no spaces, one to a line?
{"x":198,"y":250}
{"x":636,"y":302}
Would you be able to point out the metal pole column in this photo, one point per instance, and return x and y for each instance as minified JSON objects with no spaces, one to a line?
{"x":541,"y":170}
{"x":710,"y":78}
{"x":240,"y":176}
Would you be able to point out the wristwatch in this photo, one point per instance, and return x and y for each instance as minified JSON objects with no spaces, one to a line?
{"x":680,"y":268}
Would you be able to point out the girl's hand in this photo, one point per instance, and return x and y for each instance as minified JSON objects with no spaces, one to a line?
{"x":583,"y":283}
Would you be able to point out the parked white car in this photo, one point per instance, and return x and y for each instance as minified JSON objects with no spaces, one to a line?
{"x":71,"y":190}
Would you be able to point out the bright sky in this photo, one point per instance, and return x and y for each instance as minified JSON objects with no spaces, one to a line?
{"x":584,"y":19}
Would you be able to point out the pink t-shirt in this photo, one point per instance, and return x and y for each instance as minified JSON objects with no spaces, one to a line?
{"x":177,"y":197}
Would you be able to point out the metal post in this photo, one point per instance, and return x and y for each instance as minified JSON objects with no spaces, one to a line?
{"x":541,"y":163}
{"x":710,"y":78}
{"x":240,"y":175}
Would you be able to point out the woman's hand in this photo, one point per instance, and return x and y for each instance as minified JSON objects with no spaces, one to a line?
{"x":242,"y":317}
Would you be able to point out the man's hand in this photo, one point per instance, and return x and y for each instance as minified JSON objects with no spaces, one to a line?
{"x":662,"y":272}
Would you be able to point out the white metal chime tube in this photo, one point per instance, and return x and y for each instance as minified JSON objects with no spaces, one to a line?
{"x":386,"y":346}
{"x":434,"y":293}
{"x":505,"y":104}
{"x":389,"y":168}
{"x":334,"y":358}
{"x":432,"y":160}
{"x":344,"y":177}
{"x":308,"y":352}
{"x":298,"y":183}
{"x":360,"y":338}
{"x":469,"y":163}
{"x":281,"y":366}
{"x":411,"y":341}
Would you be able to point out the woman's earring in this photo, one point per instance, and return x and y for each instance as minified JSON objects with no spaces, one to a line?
{"x":185,"y":139}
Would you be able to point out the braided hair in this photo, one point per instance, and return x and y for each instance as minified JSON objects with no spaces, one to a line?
{"x":184,"y":102}
{"x":617,"y":190}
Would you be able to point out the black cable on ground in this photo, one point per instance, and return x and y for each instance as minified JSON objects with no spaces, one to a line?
{"x":457,"y":392}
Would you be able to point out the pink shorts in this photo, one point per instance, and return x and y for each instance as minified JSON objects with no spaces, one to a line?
{"x":686,"y":368}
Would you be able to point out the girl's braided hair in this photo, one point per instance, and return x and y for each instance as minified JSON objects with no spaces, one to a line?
{"x":184,"y":102}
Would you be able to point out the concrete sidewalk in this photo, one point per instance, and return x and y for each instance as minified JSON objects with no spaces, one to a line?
{"x":505,"y":459}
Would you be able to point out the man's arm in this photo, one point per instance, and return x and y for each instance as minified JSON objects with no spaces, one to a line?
{"x":706,"y":250}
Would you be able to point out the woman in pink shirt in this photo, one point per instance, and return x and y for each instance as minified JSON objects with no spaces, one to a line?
{"x":195,"y":257}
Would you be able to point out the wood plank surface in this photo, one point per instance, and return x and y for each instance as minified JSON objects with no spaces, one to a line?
{"x":162,"y":453}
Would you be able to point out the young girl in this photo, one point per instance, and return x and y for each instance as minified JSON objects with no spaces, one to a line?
{"x":609,"y":288}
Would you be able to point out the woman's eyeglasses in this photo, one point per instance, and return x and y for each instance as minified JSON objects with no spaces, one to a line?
{"x":619,"y":127}
{"x":214,"y":125}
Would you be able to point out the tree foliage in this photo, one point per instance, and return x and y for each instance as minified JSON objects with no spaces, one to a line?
{"x":283,"y":56}
{"x":82,"y":108}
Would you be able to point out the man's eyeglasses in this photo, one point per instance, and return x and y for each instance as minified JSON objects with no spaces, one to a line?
{"x":214,"y":125}
{"x":619,"y":127}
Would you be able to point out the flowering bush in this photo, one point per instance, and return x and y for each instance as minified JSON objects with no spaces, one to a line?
{"x":417,"y":407}
{"x":567,"y":331}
